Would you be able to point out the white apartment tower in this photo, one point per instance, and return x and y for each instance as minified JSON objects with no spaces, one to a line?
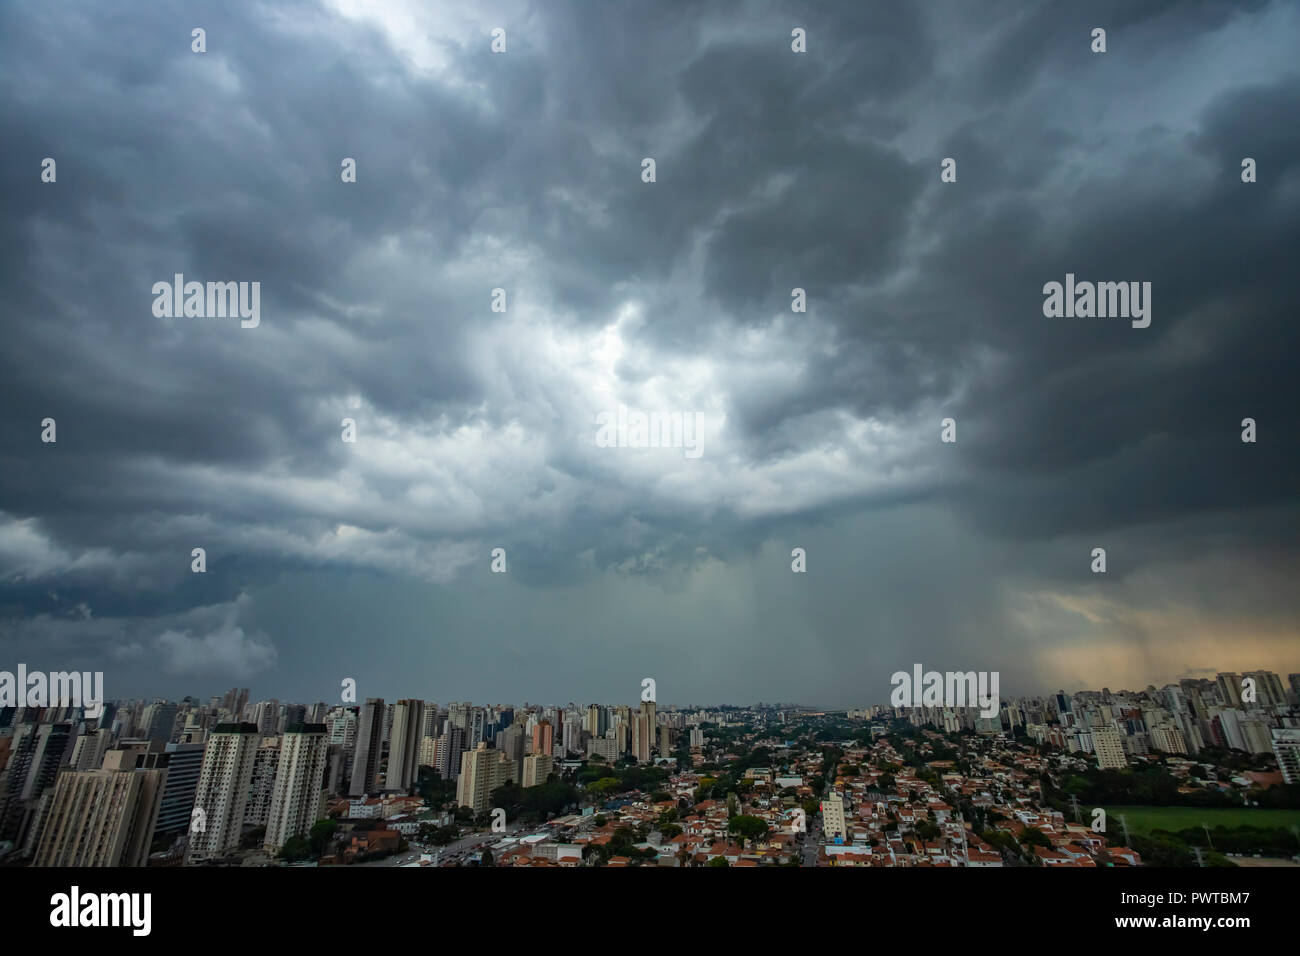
{"x":222,"y":793}
{"x":1109,"y":747}
{"x":833,"y":816}
{"x":299,"y":783}
{"x":1286,"y":746}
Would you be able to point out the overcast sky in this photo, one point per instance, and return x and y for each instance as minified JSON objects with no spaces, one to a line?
{"x":477,"y":429}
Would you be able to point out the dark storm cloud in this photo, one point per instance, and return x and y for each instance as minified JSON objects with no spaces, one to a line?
{"x":522,"y":171}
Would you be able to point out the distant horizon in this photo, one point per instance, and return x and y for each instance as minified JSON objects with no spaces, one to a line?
{"x":484,"y":702}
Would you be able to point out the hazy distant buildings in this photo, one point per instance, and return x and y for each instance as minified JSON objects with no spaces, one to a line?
{"x":159,"y":721}
{"x":511,"y":743}
{"x":643,"y":732}
{"x":544,"y":738}
{"x":606,"y":747}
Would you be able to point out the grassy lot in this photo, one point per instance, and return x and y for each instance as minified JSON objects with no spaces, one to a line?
{"x":1146,"y":819}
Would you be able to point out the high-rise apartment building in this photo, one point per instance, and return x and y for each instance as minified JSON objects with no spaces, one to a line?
{"x":404,"y":746}
{"x":537,"y":767}
{"x":1229,"y":688}
{"x":458,"y":715}
{"x":1108,"y":745}
{"x":1286,"y":747}
{"x":88,"y":752}
{"x":1269,"y":691}
{"x":643,"y":732}
{"x":481,"y":771}
{"x":260,"y":789}
{"x":448,"y":751}
{"x":159,"y":720}
{"x":222,"y":793}
{"x":544,"y":738}
{"x":299,"y":783}
{"x":184,"y":764}
{"x":833,"y":818}
{"x":511,"y":743}
{"x":101,"y":818}
{"x":370,"y":745}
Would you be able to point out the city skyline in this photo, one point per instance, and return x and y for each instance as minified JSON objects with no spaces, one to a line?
{"x":1291,"y":679}
{"x":947,"y":774}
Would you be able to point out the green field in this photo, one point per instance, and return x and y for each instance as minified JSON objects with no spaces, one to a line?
{"x":1146,"y":819}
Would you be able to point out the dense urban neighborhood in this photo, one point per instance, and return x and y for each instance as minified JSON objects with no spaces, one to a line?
{"x":1197,"y":773}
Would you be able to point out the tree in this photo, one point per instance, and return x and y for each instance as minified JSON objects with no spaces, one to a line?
{"x":295,"y":848}
{"x":719,"y":861}
{"x":747,"y":827}
{"x":322,"y":835}
{"x":605,"y":785}
{"x":1034,"y":837}
{"x":487,"y":859}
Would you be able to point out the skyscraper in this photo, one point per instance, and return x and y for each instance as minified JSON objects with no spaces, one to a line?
{"x":159,"y":720}
{"x":260,"y":789}
{"x":1286,"y":747}
{"x":448,"y":750}
{"x":184,"y":764}
{"x":404,"y":746}
{"x":101,"y":818}
{"x":512,"y":745}
{"x":222,"y":793}
{"x":544,"y":738}
{"x":365,"y":765}
{"x":1108,"y":744}
{"x":296,"y":799}
{"x":537,"y":767}
{"x":1229,"y":688}
{"x":481,"y":771}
